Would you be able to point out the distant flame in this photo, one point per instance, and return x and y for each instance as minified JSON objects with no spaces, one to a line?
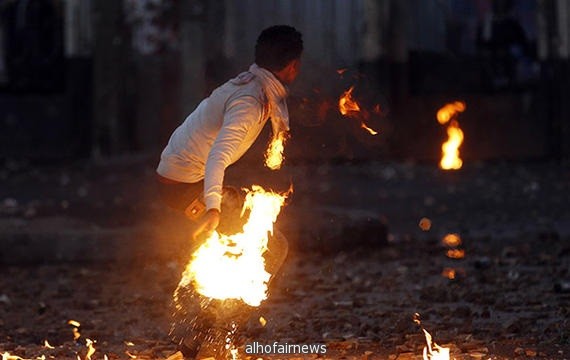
{"x":47,"y":345}
{"x":274,"y":153}
{"x":450,"y":159}
{"x":349,"y":107}
{"x":233,"y":267}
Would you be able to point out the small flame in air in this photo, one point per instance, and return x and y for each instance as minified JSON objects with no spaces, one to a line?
{"x":346,"y":104}
{"x":274,"y":153}
{"x":349,"y":107}
{"x":239,"y":271}
{"x":47,"y":345}
{"x":450,"y":149}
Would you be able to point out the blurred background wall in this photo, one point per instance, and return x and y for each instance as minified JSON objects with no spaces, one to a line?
{"x":85,"y":78}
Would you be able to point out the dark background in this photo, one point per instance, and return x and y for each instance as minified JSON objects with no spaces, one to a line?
{"x":97,"y":79}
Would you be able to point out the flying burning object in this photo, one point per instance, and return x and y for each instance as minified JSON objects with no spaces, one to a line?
{"x":348,"y":106}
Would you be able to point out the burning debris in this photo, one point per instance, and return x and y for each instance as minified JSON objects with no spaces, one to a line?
{"x":453,"y":242}
{"x":432,"y":351}
{"x":227,"y":275}
{"x":425,"y":224}
{"x":76,"y":325}
{"x":239,"y":271}
{"x":450,"y":149}
{"x":349,"y":107}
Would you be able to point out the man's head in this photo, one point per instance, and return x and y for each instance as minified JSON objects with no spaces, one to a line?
{"x":278,"y":49}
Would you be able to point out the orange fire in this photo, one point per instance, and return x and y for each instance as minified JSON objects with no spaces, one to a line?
{"x":349,"y":107}
{"x":448,"y":273}
{"x":233,"y":267}
{"x":90,"y":349}
{"x":433,"y":351}
{"x":450,"y":159}
{"x":451,"y":240}
{"x":274,"y":153}
{"x":76,"y":325}
{"x":449,"y":111}
{"x":455,"y":253}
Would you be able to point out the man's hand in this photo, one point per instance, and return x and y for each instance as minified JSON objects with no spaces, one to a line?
{"x":207,"y":224}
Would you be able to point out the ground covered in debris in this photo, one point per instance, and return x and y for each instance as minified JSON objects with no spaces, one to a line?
{"x":503,"y":303}
{"x":507,"y":297}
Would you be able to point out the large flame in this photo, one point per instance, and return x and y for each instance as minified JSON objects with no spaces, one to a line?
{"x":450,"y":149}
{"x":233,"y":267}
{"x":274,"y":153}
{"x":349,"y":107}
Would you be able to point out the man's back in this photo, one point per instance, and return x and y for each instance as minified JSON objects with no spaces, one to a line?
{"x":184,"y":158}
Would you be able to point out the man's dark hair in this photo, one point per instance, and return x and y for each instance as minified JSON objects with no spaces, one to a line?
{"x":276,"y":46}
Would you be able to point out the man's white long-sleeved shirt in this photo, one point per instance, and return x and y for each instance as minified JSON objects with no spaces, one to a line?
{"x":221,"y":129}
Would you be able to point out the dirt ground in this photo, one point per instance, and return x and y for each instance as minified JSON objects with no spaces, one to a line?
{"x":509,"y":298}
{"x":503,"y":303}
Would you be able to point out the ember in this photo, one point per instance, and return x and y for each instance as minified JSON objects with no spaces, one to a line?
{"x":451,"y":240}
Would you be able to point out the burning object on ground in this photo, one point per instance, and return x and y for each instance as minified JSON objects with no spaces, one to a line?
{"x":450,"y":149}
{"x":432,"y":351}
{"x":227,"y":276}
